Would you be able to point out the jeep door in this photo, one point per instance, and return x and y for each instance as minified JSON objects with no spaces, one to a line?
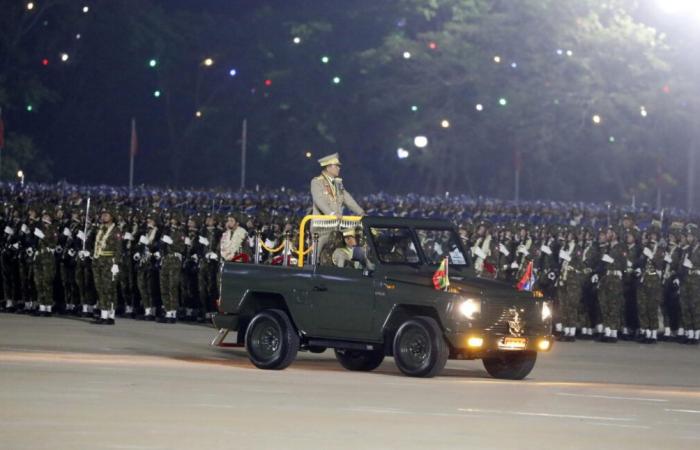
{"x":342,"y":303}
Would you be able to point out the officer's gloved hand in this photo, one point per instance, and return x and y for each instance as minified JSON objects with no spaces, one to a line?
{"x":638,"y":272}
{"x":594,"y":278}
{"x":156,"y":255}
{"x":552,"y":276}
{"x":676,"y":282}
{"x":358,"y":254}
{"x":115,"y":269}
{"x":137,"y":257}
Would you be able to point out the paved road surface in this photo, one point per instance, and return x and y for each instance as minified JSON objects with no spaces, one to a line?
{"x":66,"y":384}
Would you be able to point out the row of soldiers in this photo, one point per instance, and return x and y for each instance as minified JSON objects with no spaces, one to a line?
{"x":610,"y":283}
{"x":150,"y":265}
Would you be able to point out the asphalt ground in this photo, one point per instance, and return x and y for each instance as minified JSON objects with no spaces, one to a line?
{"x":67,"y":384}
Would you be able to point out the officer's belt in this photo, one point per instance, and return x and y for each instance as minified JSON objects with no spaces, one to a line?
{"x":617,"y":273}
{"x":106,"y":254}
{"x":46,"y":250}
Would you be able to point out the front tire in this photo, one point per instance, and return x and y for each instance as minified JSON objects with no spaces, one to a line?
{"x":510,"y":365}
{"x":271,"y":340}
{"x":419,"y":347}
{"x":359,"y":360}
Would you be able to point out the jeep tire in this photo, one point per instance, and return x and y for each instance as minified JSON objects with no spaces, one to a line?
{"x":510,"y":365}
{"x":271,"y":340}
{"x":419,"y":347}
{"x":359,"y":360}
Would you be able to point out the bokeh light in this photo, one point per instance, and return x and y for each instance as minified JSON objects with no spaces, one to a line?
{"x":597,"y":119}
{"x":420,"y":141}
{"x":497,"y":59}
{"x":325,"y":59}
{"x":268,"y":82}
{"x":198,"y":114}
{"x":86,"y":9}
{"x":414,"y":108}
{"x":296,"y":40}
{"x":432,"y":45}
{"x":308,"y":154}
{"x":30,"y":6}
{"x":479,"y":107}
{"x":402,"y":154}
{"x":232,"y":72}
{"x":336,"y":80}
{"x":502,"y":101}
{"x":445,"y":123}
{"x":152,"y":63}
{"x":156,"y":93}
{"x":64,"y":57}
{"x":208,"y":62}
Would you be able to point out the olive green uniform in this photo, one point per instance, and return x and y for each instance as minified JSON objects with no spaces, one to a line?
{"x":45,"y":265}
{"x":173,"y":249}
{"x":106,"y":254}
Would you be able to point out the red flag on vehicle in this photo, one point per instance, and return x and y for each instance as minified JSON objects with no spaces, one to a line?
{"x":134,"y":147}
{"x":441,"y":278}
{"x":527,"y":282}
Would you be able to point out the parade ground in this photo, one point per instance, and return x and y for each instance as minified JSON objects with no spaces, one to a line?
{"x":65,"y":383}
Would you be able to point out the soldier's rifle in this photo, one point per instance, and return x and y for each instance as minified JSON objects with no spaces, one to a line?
{"x":87,"y":218}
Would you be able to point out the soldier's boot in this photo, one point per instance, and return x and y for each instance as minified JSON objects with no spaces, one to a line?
{"x":111,"y":314}
{"x":10,"y":306}
{"x":681,"y":336}
{"x":654,"y":337}
{"x":171,"y":316}
{"x":667,"y":336}
{"x":696,"y":341}
{"x":599,"y":331}
{"x":558,"y":331}
{"x":613,"y":336}
{"x":149,"y":314}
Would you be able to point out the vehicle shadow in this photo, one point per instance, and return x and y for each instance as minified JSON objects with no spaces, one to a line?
{"x":238,"y":358}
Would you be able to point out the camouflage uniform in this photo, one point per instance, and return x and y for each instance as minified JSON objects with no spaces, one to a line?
{"x":173,"y":248}
{"x":690,"y":290}
{"x":208,"y":287}
{"x":610,"y":295}
{"x":45,"y":264}
{"x":650,"y":289}
{"x":570,"y":284}
{"x":104,"y":268}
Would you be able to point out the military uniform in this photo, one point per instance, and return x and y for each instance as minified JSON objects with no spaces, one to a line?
{"x":610,"y":289}
{"x":207,"y":285}
{"x":45,"y":264}
{"x":10,"y":269}
{"x":650,"y":290}
{"x":68,"y":264}
{"x":172,"y":243}
{"x":329,"y":197}
{"x":105,"y":269}
{"x":145,"y":258}
{"x":570,"y":284}
{"x":690,"y":287}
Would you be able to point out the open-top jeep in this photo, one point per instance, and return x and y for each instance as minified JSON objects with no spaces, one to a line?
{"x":385,"y":306}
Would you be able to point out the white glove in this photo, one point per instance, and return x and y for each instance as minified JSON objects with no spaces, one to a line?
{"x":212,"y":256}
{"x":137,"y":257}
{"x":156,"y":255}
{"x":676,"y":282}
{"x":551,"y":276}
{"x":115,"y":269}
{"x":195,"y":258}
{"x":594,"y":278}
{"x":638,"y":272}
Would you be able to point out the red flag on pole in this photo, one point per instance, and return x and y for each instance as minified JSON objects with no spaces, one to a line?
{"x":134,"y":148}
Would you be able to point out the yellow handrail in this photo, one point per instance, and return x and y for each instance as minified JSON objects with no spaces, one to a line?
{"x":306,"y":219}
{"x":272,"y":250}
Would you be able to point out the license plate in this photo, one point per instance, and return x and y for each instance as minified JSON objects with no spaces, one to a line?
{"x":513,"y":343}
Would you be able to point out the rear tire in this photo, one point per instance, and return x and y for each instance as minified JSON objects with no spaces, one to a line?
{"x":271,"y":340}
{"x":510,"y":365}
{"x":419,"y":347}
{"x":359,"y":360}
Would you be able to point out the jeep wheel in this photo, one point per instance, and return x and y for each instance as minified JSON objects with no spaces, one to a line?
{"x":420,"y":349}
{"x":271,"y":340}
{"x":510,"y":365}
{"x":359,"y":360}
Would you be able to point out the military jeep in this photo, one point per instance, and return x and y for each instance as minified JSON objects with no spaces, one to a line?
{"x":386,"y":305}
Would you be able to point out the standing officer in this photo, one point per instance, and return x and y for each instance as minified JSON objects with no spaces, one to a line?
{"x":690,"y":286}
{"x":570,"y":284}
{"x":172,"y":244}
{"x":610,"y":291}
{"x":210,"y":240}
{"x":650,"y":286}
{"x":144,"y":257}
{"x":45,"y":263}
{"x":105,"y":268}
{"x":329,"y":195}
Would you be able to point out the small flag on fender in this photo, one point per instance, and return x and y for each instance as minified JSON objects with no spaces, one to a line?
{"x":527,"y":282}
{"x":441,"y":278}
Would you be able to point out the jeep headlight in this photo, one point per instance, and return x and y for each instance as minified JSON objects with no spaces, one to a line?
{"x":546,"y":311}
{"x":469,"y":308}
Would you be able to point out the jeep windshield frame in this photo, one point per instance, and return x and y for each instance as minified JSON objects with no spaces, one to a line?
{"x":387,"y":239}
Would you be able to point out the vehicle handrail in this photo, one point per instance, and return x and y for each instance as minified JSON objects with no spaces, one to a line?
{"x":306,"y":219}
